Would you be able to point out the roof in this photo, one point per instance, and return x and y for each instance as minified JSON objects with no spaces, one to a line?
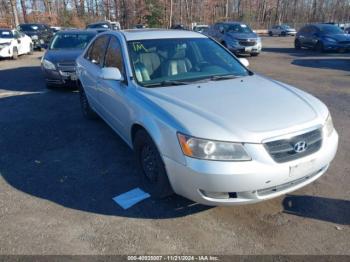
{"x":139,"y":34}
{"x":77,"y":31}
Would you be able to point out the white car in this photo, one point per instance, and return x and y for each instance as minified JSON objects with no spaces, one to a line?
{"x":282,"y":30}
{"x":14,"y":43}
{"x":201,"y":124}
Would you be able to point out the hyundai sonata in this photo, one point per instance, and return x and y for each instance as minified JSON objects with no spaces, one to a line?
{"x":200,"y":122}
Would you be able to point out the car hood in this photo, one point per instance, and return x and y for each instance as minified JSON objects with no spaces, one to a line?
{"x":339,"y":37}
{"x":7,"y":40}
{"x":242,"y":35}
{"x":62,"y":55}
{"x":248,"y":109}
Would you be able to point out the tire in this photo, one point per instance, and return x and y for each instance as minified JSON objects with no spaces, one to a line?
{"x":270,"y":33}
{"x":15,"y":53}
{"x":297,"y":44}
{"x":319,"y":47}
{"x":153,"y":176}
{"x":86,"y":109}
{"x":31,"y":49}
{"x":254,"y":54}
{"x":283,"y":33}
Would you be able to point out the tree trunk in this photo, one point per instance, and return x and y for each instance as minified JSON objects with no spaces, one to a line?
{"x":24,"y":11}
{"x":14,"y":12}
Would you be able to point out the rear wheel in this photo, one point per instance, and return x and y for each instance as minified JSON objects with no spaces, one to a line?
{"x":86,"y":109}
{"x":270,"y":33}
{"x":15,"y":53}
{"x":154,"y":178}
{"x":30,"y":49}
{"x":297,"y":44}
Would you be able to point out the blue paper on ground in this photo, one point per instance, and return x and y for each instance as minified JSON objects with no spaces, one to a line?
{"x":131,"y":198}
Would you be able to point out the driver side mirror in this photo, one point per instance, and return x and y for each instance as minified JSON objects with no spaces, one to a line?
{"x":111,"y":73}
{"x":244,"y":61}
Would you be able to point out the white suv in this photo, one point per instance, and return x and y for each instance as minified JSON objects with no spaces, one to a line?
{"x":201,"y":124}
{"x":14,"y":43}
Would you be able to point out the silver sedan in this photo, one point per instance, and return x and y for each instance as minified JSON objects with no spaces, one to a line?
{"x":202,"y":124}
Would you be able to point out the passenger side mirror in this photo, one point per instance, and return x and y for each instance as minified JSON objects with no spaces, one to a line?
{"x":244,"y":61}
{"x":111,"y":73}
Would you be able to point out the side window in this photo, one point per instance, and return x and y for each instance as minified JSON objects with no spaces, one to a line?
{"x":114,"y":57}
{"x":97,"y":50}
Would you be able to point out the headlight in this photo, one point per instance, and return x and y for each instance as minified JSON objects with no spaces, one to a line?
{"x":330,"y":40}
{"x":34,"y":37}
{"x":212,"y":150}
{"x":328,"y":126}
{"x":48,"y":65}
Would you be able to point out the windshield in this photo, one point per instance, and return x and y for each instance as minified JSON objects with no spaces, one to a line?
{"x":285,"y":26}
{"x":187,"y":60}
{"x":6,"y":34}
{"x":237,"y":28}
{"x":29,"y":27}
{"x":71,"y":41}
{"x":99,"y":26}
{"x":331,"y":29}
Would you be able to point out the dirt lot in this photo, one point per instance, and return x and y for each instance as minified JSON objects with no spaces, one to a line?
{"x":59,"y":173}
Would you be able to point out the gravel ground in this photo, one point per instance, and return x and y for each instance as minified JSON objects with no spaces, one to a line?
{"x":59,"y":173}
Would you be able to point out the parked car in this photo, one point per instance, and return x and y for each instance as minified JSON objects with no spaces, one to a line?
{"x":104,"y":25}
{"x":322,"y":37}
{"x":200,"y":28}
{"x":282,"y":30}
{"x":201,"y":124}
{"x":41,"y":34}
{"x":179,"y":27}
{"x":58,"y":62}
{"x":56,"y":29}
{"x":14,"y":43}
{"x":237,"y":37}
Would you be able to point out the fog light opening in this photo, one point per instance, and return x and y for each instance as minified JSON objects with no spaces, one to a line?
{"x":219,"y":195}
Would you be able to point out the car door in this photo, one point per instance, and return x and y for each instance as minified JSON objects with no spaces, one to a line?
{"x":112,"y":93}
{"x":90,"y":69}
{"x":302,"y":35}
{"x":310,"y":36}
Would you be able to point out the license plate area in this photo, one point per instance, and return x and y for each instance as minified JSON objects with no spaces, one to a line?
{"x":302,"y":169}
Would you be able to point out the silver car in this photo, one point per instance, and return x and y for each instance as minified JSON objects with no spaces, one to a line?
{"x":201,"y":124}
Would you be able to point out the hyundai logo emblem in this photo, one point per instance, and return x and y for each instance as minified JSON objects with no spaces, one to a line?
{"x":300,"y":147}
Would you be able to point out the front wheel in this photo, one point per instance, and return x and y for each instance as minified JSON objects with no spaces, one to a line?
{"x":254,"y":54}
{"x":297,"y":44}
{"x":319,"y":47}
{"x":14,"y":53}
{"x":86,"y":109}
{"x":154,"y":178}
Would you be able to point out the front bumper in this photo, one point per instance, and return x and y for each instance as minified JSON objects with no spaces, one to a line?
{"x":59,"y":78}
{"x":239,"y":49}
{"x":251,"y":181}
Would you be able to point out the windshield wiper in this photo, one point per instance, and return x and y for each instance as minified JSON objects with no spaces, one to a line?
{"x":167,"y":83}
{"x":222,"y":77}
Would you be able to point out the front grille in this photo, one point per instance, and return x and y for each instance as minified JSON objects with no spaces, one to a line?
{"x":283,"y":150}
{"x":247,"y":43}
{"x":66,"y":66}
